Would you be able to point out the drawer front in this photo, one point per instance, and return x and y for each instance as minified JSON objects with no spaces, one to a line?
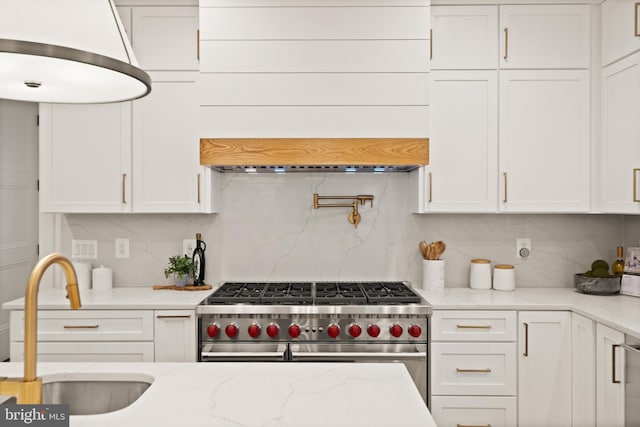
{"x":473,"y":369}
{"x":473,"y":325}
{"x":90,"y":325}
{"x":476,"y":411}
{"x":87,"y":352}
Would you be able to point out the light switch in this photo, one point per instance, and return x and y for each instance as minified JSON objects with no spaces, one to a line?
{"x":84,"y":249}
{"x":122,"y":248}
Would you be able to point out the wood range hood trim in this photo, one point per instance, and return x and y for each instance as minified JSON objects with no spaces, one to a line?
{"x":314,"y":154}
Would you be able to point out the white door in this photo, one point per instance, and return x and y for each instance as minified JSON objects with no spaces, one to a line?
{"x":464,"y":37}
{"x":544,"y":36}
{"x":544,"y":141}
{"x":18,"y":204}
{"x":463,"y":159}
{"x":544,"y":368}
{"x":620,"y":159}
{"x":609,"y":377}
{"x":620,"y":29}
{"x":583,"y":368}
{"x":167,"y":176}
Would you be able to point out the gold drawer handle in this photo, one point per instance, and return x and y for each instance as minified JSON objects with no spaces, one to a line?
{"x":526,"y":340}
{"x":81,"y":326}
{"x":124,"y":189}
{"x":635,"y":23}
{"x":635,"y":183}
{"x":613,"y":364}
{"x":186,"y":316}
{"x":484,"y":371}
{"x":473,"y":425}
{"x":473,"y":326}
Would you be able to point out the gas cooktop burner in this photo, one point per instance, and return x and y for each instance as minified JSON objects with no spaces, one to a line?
{"x":309,"y":293}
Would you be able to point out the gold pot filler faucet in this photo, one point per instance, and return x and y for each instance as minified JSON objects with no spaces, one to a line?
{"x":28,"y":390}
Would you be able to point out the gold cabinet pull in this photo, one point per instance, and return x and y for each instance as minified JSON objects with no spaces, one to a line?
{"x":635,"y":181}
{"x":81,"y":326}
{"x":504,"y":175}
{"x":431,"y":41}
{"x":430,"y":188}
{"x":636,"y":30}
{"x":184,"y":316}
{"x":526,"y":340}
{"x":198,"y":45}
{"x":473,"y":425}
{"x":613,"y":364}
{"x":198,"y":188}
{"x":484,"y":371}
{"x":473,"y":326}
{"x":506,"y":43}
{"x":124,"y":182}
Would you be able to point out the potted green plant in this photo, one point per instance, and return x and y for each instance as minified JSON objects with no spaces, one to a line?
{"x":181,"y":267}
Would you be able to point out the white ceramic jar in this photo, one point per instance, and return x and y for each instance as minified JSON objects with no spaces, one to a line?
{"x":504,"y":277}
{"x":480,"y":274}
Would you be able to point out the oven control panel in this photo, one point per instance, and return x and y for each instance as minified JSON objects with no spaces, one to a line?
{"x":216,"y":328}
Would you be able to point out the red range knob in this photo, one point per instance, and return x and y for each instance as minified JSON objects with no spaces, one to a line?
{"x":355,"y":330}
{"x":254,"y":330}
{"x":395,"y":330}
{"x":415,"y":331}
{"x":231,"y":330}
{"x":373,"y":331}
{"x":213,"y":330}
{"x":273,"y":330}
{"x":333,"y":330}
{"x":294,"y":331}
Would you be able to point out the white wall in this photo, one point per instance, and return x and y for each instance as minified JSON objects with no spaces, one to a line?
{"x":267,"y":230}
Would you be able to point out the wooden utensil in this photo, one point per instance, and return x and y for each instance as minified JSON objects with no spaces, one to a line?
{"x":438,"y":248}
{"x":423,"y":249}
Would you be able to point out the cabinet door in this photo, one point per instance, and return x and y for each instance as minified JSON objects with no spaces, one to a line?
{"x":583,"y":368}
{"x":544,"y":36}
{"x":165,"y":38}
{"x":620,"y":29}
{"x":609,"y":377}
{"x":544,"y":373}
{"x":620,"y":159}
{"x":175,"y":336}
{"x":480,"y":411}
{"x":85,"y":156}
{"x":544,"y":141}
{"x":462,"y":171}
{"x":464,"y":37}
{"x":131,"y":351}
{"x":167,"y":176}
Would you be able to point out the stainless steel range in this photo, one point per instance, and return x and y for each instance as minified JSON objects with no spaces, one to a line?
{"x":356,"y":322}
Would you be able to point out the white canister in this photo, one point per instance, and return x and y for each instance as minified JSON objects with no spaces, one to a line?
{"x":480,"y":274}
{"x":433,"y":274}
{"x":504,"y":277}
{"x":83,"y":273}
{"x":102,"y":278}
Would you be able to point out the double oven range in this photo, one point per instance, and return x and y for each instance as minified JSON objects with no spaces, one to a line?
{"x":357,"y":322}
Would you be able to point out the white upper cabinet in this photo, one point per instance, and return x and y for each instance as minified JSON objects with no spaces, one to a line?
{"x":85,"y":158}
{"x":165,"y":38}
{"x":464,"y":37}
{"x":620,"y":159}
{"x":462,"y":174}
{"x":544,"y":36}
{"x":620,"y":29}
{"x":544,"y":141}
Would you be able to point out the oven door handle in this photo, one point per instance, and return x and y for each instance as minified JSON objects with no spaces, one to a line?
{"x":354,"y":355}
{"x":246,"y":355}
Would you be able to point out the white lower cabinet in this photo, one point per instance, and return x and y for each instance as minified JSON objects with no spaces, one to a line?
{"x":609,"y":377}
{"x":473,"y":368}
{"x":583,"y":368}
{"x":109,"y":336}
{"x":544,"y":368}
{"x":175,"y":336}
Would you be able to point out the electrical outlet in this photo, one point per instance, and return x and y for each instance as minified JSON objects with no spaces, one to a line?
{"x":84,"y":249}
{"x":122,"y":248}
{"x":188,"y":245}
{"x":523,"y":248}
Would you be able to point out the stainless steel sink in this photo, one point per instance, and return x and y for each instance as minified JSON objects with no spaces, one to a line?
{"x":90,"y":394}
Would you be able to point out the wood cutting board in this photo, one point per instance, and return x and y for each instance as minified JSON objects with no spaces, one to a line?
{"x":182,"y":288}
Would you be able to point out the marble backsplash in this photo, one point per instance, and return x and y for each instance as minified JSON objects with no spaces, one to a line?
{"x":268,"y":230}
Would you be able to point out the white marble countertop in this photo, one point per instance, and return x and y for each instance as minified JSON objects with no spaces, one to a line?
{"x":256,"y":394}
{"x":132,"y":298}
{"x":620,"y":312}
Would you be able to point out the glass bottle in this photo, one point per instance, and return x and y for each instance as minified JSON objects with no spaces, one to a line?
{"x":198,"y":261}
{"x":618,"y":265}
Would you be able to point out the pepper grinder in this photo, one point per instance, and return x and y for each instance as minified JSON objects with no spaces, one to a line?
{"x":198,"y":260}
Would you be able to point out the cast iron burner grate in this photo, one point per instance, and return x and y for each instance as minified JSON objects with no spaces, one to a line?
{"x":288,"y":293}
{"x":339,"y":293}
{"x":237,"y":293}
{"x":389,"y":293}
